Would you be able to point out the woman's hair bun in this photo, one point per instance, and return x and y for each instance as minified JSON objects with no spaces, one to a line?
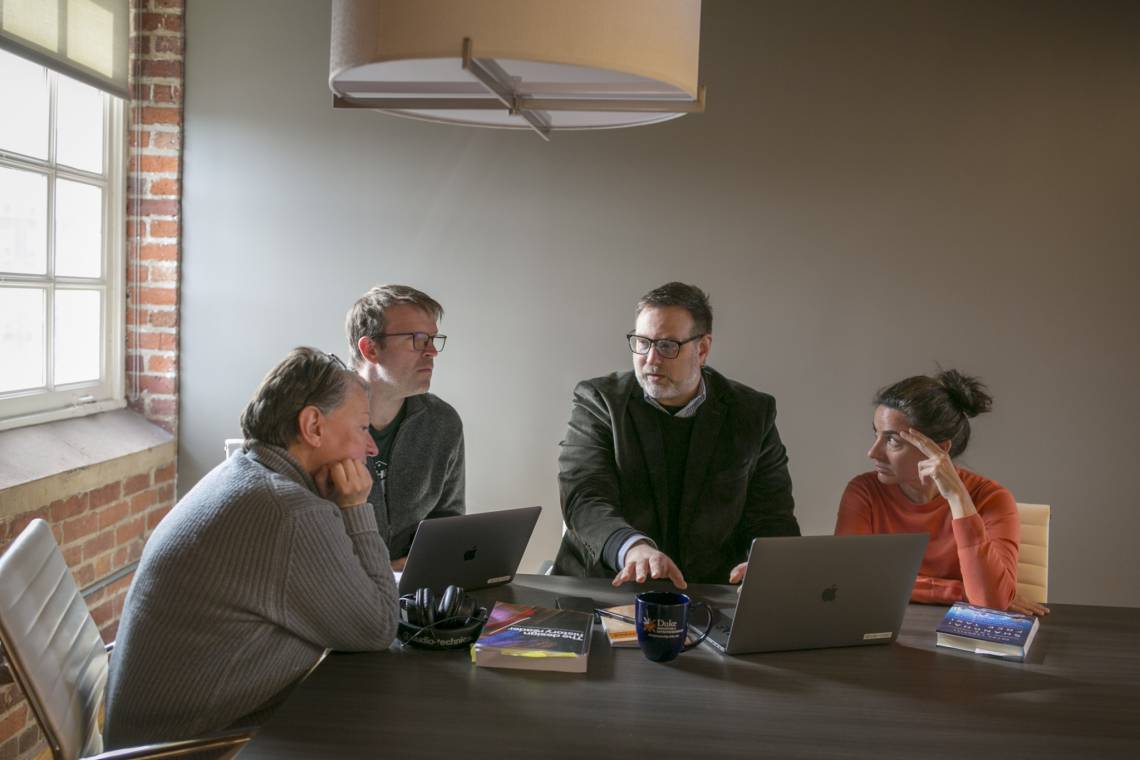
{"x":967,"y":394}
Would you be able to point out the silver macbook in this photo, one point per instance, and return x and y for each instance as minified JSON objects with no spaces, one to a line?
{"x":810,"y":592}
{"x":471,"y":551}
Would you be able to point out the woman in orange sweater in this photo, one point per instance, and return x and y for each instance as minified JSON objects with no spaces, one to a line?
{"x":921,"y":424}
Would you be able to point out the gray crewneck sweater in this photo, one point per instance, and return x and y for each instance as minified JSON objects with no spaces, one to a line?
{"x":239,"y":590}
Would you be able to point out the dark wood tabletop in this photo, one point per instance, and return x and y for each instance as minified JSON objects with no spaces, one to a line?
{"x":1077,"y":695}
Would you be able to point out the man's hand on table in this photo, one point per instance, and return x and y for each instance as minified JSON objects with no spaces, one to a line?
{"x":643,"y":562}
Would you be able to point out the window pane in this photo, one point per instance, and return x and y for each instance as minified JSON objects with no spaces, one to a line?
{"x":79,"y":126}
{"x":24,"y":103}
{"x":78,"y":326}
{"x":22,"y":313}
{"x":23,"y":221}
{"x":78,"y":229}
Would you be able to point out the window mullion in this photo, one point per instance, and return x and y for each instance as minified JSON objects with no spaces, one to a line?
{"x":49,"y":300}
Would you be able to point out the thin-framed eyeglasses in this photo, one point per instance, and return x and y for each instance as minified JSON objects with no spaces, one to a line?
{"x":420,"y":340}
{"x":666,"y":347}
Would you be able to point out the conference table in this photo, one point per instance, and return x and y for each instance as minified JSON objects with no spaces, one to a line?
{"x":1076,"y":695}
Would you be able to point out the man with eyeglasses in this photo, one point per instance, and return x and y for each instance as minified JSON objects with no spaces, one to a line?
{"x":418,"y":471}
{"x":670,"y":471}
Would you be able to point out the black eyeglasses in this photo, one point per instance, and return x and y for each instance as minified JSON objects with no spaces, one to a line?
{"x":420,"y":340}
{"x":666,"y":347}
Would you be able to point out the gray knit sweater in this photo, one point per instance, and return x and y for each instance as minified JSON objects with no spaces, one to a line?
{"x":239,"y":590}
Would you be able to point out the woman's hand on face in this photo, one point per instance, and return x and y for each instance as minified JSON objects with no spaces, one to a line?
{"x":937,"y":467}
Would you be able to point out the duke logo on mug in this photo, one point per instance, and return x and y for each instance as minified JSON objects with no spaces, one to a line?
{"x":662,"y":622}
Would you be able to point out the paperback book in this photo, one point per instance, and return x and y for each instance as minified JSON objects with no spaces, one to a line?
{"x":619,"y":632}
{"x":534,"y":638}
{"x":985,"y":631}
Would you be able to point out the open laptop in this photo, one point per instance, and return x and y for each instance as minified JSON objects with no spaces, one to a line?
{"x":810,"y":592}
{"x":471,"y":551}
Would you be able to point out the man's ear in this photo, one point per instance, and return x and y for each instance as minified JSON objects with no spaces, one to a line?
{"x":367,"y":348}
{"x":704,"y":345}
{"x":310,"y":426}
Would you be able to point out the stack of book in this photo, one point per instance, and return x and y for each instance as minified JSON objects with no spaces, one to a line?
{"x":534,"y":638}
{"x":985,"y":631}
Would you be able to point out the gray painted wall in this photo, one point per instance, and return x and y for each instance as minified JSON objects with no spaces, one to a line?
{"x":875,"y":188}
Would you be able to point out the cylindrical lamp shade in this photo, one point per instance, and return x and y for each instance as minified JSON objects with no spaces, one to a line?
{"x":551,"y":50}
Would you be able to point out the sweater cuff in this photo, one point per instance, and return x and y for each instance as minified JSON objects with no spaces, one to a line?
{"x":969,"y":531}
{"x":359,"y":519}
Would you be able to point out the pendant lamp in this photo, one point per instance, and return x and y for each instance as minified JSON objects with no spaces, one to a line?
{"x":543,"y":65}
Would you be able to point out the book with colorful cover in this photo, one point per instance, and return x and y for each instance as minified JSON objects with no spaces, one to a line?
{"x":985,"y":631}
{"x":528,"y":637}
{"x":619,"y":632}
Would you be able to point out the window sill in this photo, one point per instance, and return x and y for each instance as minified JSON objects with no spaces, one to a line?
{"x":42,"y":463}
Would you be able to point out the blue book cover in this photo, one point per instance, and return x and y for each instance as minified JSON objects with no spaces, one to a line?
{"x":987,"y":631}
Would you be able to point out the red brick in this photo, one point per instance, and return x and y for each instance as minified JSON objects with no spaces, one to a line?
{"x":159,"y":363}
{"x":154,"y":341}
{"x":165,"y":473}
{"x":157,"y":251}
{"x":173,"y":5}
{"x":118,"y":589}
{"x":73,"y":555}
{"x":103,"y":613}
{"x":15,"y":720}
{"x":31,"y":738}
{"x":160,"y":228}
{"x":84,"y":574}
{"x":161,"y":407}
{"x":153,"y":518}
{"x":104,"y":542}
{"x":162,"y":318}
{"x":105,"y":495}
{"x":152,"y":208}
{"x":167,"y":93}
{"x":159,"y":115}
{"x":166,"y":493}
{"x":110,"y":631}
{"x":19,"y":522}
{"x":158,"y":164}
{"x":154,"y":384}
{"x":80,"y":527}
{"x":160,"y":69}
{"x":131,"y":530}
{"x":143,"y":502}
{"x":166,"y":140}
{"x":136,"y":483}
{"x":135,"y":551}
{"x":139,"y":138}
{"x":153,"y":21}
{"x":113,"y":514}
{"x":158,"y":296}
{"x":61,"y":509}
{"x":119,"y":558}
{"x":164,"y":186}
{"x":103,"y":565}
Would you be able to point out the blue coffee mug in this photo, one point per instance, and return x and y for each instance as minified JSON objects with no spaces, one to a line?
{"x":662,"y":622}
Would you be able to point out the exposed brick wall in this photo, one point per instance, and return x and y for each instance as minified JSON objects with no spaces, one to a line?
{"x":154,"y":211}
{"x":100,"y":532}
{"x":103,"y":530}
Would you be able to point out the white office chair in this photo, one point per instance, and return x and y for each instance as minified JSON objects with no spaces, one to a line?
{"x":231,"y":445}
{"x":57,"y":657}
{"x":1033,"y":560}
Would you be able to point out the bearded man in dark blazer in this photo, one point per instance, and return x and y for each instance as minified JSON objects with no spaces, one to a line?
{"x":670,"y":471}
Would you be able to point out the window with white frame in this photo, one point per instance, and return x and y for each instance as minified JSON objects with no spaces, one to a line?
{"x":61,"y":242}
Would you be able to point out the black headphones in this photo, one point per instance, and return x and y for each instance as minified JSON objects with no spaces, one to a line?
{"x":452,"y":622}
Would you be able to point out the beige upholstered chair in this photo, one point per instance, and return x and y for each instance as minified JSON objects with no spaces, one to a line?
{"x":57,"y":657}
{"x":1033,"y":562}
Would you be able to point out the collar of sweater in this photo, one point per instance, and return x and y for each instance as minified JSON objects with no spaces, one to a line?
{"x":280,"y":461}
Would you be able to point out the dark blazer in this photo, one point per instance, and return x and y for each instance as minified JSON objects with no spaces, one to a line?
{"x":611,"y":476}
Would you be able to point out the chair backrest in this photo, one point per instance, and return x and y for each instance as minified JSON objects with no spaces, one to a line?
{"x":1033,"y":559}
{"x":232,"y":445}
{"x":53,"y":646}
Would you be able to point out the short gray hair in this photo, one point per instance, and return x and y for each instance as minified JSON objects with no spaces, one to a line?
{"x":366,"y":317}
{"x":306,"y":377}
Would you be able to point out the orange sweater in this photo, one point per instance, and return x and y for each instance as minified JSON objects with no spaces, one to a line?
{"x":973,"y":558}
